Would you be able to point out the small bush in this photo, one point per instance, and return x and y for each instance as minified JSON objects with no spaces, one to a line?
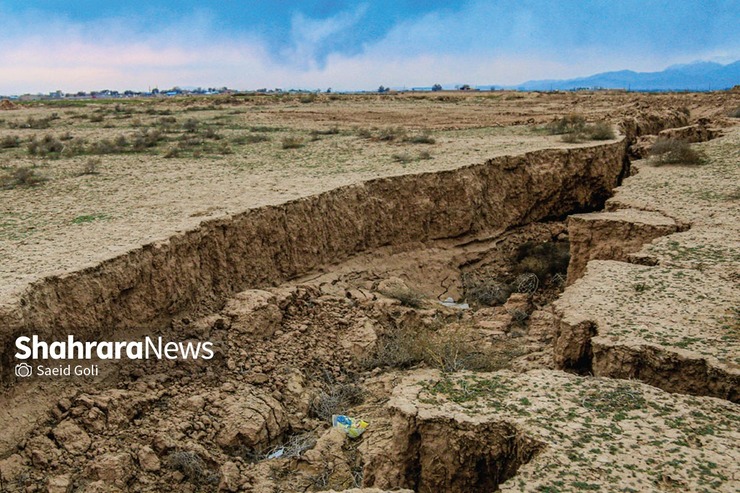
{"x":364,"y":133}
{"x":675,"y":151}
{"x":48,"y":145}
{"x":423,"y":138}
{"x":10,"y":141}
{"x":391,"y":134}
{"x":570,"y":124}
{"x":402,"y":158}
{"x":23,"y":176}
{"x":336,"y":399}
{"x":487,"y":292}
{"x":425,"y":155}
{"x":96,"y":118}
{"x":735,"y":113}
{"x":192,"y":466}
{"x":291,"y":142}
{"x":601,"y":131}
{"x":190,"y":125}
{"x":91,"y":166}
{"x":543,"y":259}
{"x":250,"y":139}
{"x":172,"y":152}
{"x":307,"y":98}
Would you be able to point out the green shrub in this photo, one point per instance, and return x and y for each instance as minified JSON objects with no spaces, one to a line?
{"x":601,"y":131}
{"x":569,"y":124}
{"x":675,"y":151}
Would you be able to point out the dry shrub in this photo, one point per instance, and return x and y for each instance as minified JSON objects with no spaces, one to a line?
{"x":191,"y":465}
{"x":423,"y":138}
{"x":391,"y":134}
{"x":675,"y":151}
{"x":23,"y":176}
{"x":574,"y":129}
{"x":601,"y":131}
{"x":488,"y":292}
{"x":90,"y":167}
{"x":734,"y":113}
{"x":10,"y":141}
{"x":336,"y":399}
{"x":447,"y":349}
{"x":543,"y":259}
{"x":291,"y":142}
{"x":569,"y":124}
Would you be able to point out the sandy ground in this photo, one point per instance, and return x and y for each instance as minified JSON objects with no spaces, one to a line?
{"x":72,"y":221}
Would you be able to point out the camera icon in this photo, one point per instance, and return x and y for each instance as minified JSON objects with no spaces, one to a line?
{"x":23,"y":370}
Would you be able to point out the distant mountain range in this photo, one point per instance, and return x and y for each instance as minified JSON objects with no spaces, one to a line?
{"x":697,"y":76}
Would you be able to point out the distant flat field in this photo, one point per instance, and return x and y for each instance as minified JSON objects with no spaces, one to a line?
{"x":113,"y":175}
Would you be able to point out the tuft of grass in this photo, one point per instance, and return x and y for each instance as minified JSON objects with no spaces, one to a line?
{"x":10,"y":141}
{"x":675,"y":151}
{"x":23,"y":176}
{"x":423,"y":138}
{"x":191,"y":465}
{"x":391,"y":134}
{"x":573,"y":128}
{"x":90,"y":167}
{"x":734,"y":113}
{"x":291,"y":142}
{"x":402,"y":158}
{"x":88,"y":218}
{"x":250,"y":139}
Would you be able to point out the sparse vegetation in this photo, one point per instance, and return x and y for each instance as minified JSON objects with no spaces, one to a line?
{"x":291,"y":142}
{"x":10,"y":141}
{"x":574,"y":128}
{"x":23,"y":176}
{"x":90,"y":167}
{"x":675,"y":151}
{"x":337,"y":398}
{"x":192,"y":466}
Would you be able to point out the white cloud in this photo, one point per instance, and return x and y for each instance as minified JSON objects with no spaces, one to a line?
{"x":477,"y":44}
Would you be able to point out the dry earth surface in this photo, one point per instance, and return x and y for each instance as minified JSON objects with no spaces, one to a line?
{"x":458,"y":399}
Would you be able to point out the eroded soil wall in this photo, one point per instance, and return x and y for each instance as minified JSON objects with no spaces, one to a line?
{"x":272,"y":244}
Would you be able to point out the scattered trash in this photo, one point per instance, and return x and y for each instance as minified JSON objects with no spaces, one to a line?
{"x":449,"y":302}
{"x":352,"y":427}
{"x":277,"y":453}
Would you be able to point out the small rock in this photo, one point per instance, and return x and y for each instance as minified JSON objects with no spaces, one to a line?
{"x":148,"y":459}
{"x":230,"y":477}
{"x":59,"y":484}
{"x":73,"y":438}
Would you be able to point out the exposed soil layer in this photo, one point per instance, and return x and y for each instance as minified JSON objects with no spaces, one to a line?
{"x":673,"y":321}
{"x":558,"y":432}
{"x":271,"y":244}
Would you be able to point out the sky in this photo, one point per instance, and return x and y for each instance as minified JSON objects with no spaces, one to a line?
{"x":48,"y":45}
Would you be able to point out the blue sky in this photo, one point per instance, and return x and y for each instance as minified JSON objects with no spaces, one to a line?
{"x":87,"y":45}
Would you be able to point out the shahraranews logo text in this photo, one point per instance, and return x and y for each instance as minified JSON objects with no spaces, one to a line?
{"x":33,"y":348}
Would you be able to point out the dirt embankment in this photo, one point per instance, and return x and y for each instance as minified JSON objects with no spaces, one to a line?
{"x":268,"y":245}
